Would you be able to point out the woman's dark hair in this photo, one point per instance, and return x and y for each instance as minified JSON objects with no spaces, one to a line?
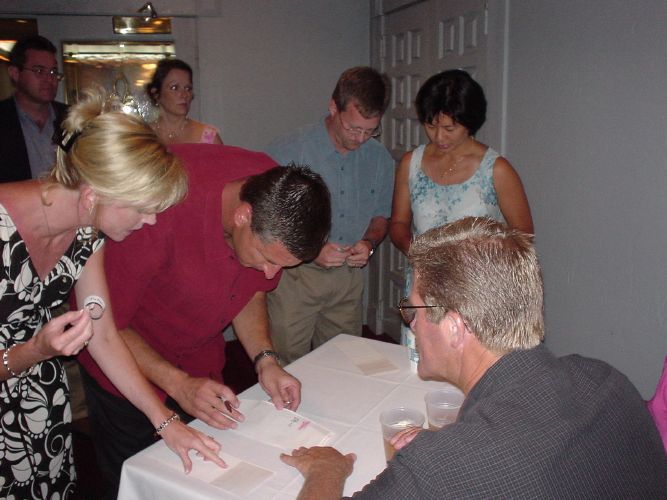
{"x":163,"y":68}
{"x":453,"y":93}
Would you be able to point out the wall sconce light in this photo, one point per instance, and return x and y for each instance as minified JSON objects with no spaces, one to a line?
{"x":147,"y":22}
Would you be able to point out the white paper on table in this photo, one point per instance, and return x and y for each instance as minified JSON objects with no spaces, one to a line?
{"x":367,"y":359}
{"x":239,"y":478}
{"x":283,"y":429}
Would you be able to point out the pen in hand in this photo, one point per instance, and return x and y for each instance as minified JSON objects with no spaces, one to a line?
{"x":230,"y":408}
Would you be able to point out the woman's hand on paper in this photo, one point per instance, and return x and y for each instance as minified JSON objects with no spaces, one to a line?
{"x":181,"y":438}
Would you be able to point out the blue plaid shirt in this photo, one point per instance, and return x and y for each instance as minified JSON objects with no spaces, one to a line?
{"x":360,"y":182}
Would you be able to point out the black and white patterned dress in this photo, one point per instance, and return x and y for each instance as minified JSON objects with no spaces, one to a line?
{"x":35,"y":415}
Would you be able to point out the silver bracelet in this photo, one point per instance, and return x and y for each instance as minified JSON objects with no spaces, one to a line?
{"x":163,"y":425}
{"x":5,"y":362}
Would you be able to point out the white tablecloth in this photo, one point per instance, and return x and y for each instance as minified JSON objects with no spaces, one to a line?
{"x":335,"y":393}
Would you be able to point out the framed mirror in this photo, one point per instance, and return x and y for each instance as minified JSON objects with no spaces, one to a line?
{"x":122,"y":68}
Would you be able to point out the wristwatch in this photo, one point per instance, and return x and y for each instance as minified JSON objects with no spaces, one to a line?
{"x":373,"y":246}
{"x":266,"y":354}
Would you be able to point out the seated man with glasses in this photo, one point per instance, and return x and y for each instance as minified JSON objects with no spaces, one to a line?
{"x":31,"y":117}
{"x":316,"y":301}
{"x":532,"y":425}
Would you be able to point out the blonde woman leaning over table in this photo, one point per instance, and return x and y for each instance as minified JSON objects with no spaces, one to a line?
{"x":111,"y":177}
{"x":171,"y":91}
{"x":454,"y":175}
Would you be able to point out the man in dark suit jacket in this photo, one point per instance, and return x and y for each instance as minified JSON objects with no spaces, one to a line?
{"x":31,"y":117}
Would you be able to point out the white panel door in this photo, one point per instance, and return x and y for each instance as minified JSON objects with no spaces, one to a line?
{"x":414,"y":42}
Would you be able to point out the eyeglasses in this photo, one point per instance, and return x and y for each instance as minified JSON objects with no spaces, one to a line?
{"x":354,"y":131}
{"x":408,"y":311}
{"x":42,"y":72}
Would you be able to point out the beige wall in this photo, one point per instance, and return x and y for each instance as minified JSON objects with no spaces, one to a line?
{"x":269,"y":66}
{"x":265,"y":66}
{"x":587,"y":129}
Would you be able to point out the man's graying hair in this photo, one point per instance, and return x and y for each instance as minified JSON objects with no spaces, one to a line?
{"x":489,"y":274}
{"x":291,"y":205}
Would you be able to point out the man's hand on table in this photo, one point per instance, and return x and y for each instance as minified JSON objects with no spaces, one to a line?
{"x":205,"y":399}
{"x":283,"y":389}
{"x":324,"y":469}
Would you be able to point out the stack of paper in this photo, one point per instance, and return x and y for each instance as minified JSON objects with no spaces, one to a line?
{"x":283,"y":429}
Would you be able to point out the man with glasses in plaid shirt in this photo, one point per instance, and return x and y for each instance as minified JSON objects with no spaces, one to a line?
{"x":30,"y":117}
{"x":532,"y":425}
{"x":318,"y":300}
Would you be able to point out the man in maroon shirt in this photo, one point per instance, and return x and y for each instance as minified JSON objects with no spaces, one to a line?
{"x":206,"y":263}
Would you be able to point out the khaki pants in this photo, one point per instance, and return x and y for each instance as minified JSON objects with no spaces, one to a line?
{"x":312,"y":305}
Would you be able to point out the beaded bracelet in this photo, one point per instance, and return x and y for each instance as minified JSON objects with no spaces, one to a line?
{"x":5,"y":362}
{"x":163,"y":425}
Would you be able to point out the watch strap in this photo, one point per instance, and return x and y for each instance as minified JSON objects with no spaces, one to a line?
{"x":265,"y":354}
{"x":373,"y":246}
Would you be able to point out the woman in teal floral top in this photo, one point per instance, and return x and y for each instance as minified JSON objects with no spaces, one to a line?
{"x":454,"y":175}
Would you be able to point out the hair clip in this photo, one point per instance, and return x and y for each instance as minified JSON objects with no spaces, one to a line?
{"x":66,"y":145}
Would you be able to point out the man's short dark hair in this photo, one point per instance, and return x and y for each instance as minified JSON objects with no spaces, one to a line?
{"x":35,"y":42}
{"x":291,"y":205}
{"x":453,"y":93}
{"x":368,"y":87}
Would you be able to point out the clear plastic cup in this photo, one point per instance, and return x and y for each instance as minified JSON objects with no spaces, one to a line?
{"x":442,"y":407}
{"x":395,"y":420}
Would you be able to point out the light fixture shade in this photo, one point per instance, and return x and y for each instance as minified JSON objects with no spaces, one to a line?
{"x":125,"y":25}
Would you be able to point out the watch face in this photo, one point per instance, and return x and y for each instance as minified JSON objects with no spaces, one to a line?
{"x":373,"y":247}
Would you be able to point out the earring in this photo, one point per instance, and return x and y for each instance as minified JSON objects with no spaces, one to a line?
{"x":90,"y":209}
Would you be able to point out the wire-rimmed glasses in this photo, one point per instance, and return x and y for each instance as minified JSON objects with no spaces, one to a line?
{"x":43,"y":72}
{"x":408,"y":311}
